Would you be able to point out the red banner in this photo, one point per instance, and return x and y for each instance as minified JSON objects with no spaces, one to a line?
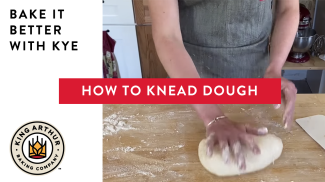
{"x":170,"y":91}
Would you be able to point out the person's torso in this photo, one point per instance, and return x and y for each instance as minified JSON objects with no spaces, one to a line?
{"x":225,"y":23}
{"x":227,"y":38}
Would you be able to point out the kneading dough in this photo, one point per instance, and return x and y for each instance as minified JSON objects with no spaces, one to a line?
{"x":270,"y":146}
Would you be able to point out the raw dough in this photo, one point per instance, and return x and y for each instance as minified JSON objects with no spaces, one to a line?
{"x":270,"y":146}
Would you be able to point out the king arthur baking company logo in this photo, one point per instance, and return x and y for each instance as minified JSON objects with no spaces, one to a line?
{"x":37,"y":148}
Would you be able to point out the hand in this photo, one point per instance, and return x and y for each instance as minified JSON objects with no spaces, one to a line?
{"x":288,"y":95}
{"x":231,"y":138}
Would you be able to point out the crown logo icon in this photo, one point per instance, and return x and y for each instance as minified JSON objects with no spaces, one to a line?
{"x":37,"y":149}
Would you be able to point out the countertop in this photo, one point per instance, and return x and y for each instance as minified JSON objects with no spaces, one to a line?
{"x":315,"y":63}
{"x":159,"y":143}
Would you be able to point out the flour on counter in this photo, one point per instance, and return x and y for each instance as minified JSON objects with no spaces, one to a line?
{"x":172,"y":148}
{"x":124,"y":149}
{"x":114,"y":123}
{"x":137,"y":165}
{"x":146,"y":173}
{"x":146,"y":155}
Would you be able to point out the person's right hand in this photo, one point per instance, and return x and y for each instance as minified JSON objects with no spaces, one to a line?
{"x":231,"y":139}
{"x":288,"y":97}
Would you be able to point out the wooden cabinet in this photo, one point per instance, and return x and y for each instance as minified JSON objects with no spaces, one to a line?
{"x":142,"y":16}
{"x":151,"y":66}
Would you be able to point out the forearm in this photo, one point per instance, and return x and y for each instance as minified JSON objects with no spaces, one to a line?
{"x":207,"y":112}
{"x":285,"y":29}
{"x":175,"y":59}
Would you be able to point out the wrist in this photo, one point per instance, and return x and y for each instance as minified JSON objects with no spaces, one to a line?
{"x":216,"y":120}
{"x":207,"y":112}
{"x":274,"y":71}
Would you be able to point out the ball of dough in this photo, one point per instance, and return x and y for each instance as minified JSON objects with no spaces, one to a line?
{"x":270,"y":146}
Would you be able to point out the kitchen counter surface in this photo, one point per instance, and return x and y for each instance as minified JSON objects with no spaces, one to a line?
{"x":159,"y":143}
{"x":315,"y":63}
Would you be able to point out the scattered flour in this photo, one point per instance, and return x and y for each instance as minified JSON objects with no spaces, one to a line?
{"x":114,"y":123}
{"x":124,"y":149}
{"x":146,"y":157}
{"x":172,"y":148}
{"x":148,"y":169}
{"x":146,"y":173}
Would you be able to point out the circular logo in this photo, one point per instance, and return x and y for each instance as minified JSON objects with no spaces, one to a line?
{"x":37,"y":148}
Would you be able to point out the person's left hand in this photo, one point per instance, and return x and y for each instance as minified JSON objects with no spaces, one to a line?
{"x":288,"y":94}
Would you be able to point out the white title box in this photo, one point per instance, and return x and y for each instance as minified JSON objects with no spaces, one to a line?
{"x":29,"y":88}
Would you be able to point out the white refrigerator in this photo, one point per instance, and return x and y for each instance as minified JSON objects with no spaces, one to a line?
{"x":118,"y":18}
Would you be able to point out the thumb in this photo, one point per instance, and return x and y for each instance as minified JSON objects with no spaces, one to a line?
{"x":276,"y":106}
{"x":283,"y":103}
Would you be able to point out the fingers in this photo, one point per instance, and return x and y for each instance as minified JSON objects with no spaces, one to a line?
{"x":248,"y":141}
{"x":224,"y":147}
{"x":256,"y":131}
{"x":289,"y":90}
{"x":277,"y":106}
{"x":225,"y":151}
{"x":288,"y":118}
{"x":238,"y":154}
{"x":210,"y":144}
{"x":288,"y":112}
